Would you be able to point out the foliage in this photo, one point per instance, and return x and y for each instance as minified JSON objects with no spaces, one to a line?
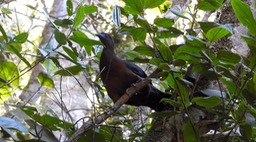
{"x":154,"y":44}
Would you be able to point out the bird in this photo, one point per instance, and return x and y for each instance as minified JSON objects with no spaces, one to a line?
{"x":118,"y":75}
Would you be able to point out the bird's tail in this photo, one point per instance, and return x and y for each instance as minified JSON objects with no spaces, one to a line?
{"x":154,"y":100}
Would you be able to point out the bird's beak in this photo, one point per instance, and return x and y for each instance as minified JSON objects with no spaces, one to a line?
{"x":100,"y":35}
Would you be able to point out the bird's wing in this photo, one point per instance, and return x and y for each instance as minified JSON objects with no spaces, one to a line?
{"x":136,"y":69}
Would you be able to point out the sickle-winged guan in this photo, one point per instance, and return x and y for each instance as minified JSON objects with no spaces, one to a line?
{"x":118,"y":75}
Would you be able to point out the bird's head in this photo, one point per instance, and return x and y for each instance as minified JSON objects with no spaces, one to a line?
{"x":106,"y":39}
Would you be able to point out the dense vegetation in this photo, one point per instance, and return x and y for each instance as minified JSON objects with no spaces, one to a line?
{"x":188,"y":60}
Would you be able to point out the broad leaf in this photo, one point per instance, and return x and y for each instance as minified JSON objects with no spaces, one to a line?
{"x":70,"y":53}
{"x":228,"y":57}
{"x":3,"y":33}
{"x":152,"y":3}
{"x":209,"y":5}
{"x":190,"y":132}
{"x":134,"y":6}
{"x":208,"y":102}
{"x":166,"y":53}
{"x":79,"y":16}
{"x":164,"y":22}
{"x":83,"y":40}
{"x":60,"y":37}
{"x":138,"y":34}
{"x":21,"y":38}
{"x":145,"y":50}
{"x":45,"y":80}
{"x":69,"y":7}
{"x":244,"y":15}
{"x":9,"y":73}
{"x":89,"y":9}
{"x":69,"y":71}
{"x":218,"y":32}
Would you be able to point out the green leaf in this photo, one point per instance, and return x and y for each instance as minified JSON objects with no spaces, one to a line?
{"x":9,"y":73}
{"x":79,"y":16}
{"x":83,"y":40}
{"x":107,"y":131}
{"x":70,"y":53}
{"x":156,"y":61}
{"x":3,"y":33}
{"x":164,"y":22}
{"x":143,"y":23}
{"x":190,"y":132}
{"x":13,"y":47}
{"x":167,"y":34}
{"x":183,"y":90}
{"x":242,"y":10}
{"x":145,"y":50}
{"x":8,"y":123}
{"x":45,"y":80}
{"x":208,"y":102}
{"x":48,"y":121}
{"x":69,"y":71}
{"x":187,"y":52}
{"x":166,"y":53}
{"x":63,"y":23}
{"x":138,"y":34}
{"x":134,"y":6}
{"x":206,"y":26}
{"x":153,"y":3}
{"x":89,"y":9}
{"x":60,"y":37}
{"x":21,"y":38}
{"x":218,"y":32}
{"x":228,"y":57}
{"x":246,"y":130}
{"x":209,"y":5}
{"x":69,"y":7}
{"x":5,"y":92}
{"x":251,"y":42}
{"x":171,"y":102}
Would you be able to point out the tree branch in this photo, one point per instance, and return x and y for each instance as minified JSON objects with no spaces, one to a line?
{"x":107,"y":113}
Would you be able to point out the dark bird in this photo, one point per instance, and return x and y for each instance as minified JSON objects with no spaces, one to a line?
{"x":117,"y":75}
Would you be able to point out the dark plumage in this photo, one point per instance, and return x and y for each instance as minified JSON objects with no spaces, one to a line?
{"x":118,"y":75}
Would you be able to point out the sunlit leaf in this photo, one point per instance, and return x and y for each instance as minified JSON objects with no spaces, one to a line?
{"x":21,"y":38}
{"x":45,"y":80}
{"x":209,"y":5}
{"x":9,"y":73}
{"x":218,"y":32}
{"x":138,"y":34}
{"x":152,"y":3}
